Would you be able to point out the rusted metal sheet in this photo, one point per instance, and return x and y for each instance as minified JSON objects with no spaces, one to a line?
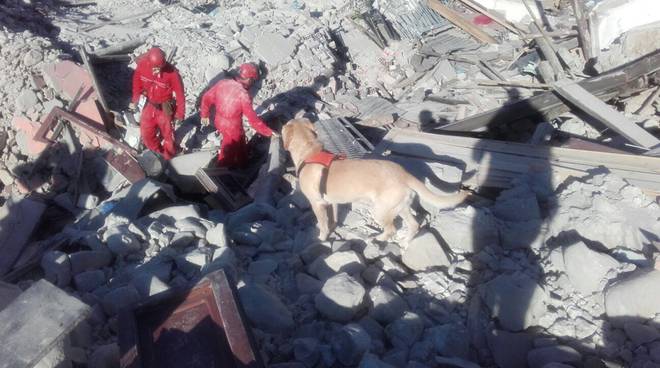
{"x":126,"y":165}
{"x":203,"y":327}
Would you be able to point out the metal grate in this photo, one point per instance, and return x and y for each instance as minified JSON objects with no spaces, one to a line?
{"x":339,"y":136}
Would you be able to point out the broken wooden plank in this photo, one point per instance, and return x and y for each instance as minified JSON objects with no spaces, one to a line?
{"x":460,"y":22}
{"x":120,"y":48}
{"x":19,"y":217}
{"x":583,"y":28}
{"x":496,"y":163}
{"x":585,"y":101}
{"x":547,"y":105}
{"x":35,"y":322}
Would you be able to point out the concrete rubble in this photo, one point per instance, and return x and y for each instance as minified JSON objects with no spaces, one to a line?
{"x":554,"y":261}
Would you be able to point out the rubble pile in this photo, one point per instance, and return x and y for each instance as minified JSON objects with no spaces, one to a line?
{"x":554,"y":261}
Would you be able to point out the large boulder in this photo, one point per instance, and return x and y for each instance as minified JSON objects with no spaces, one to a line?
{"x":265,"y":309}
{"x":517,"y":301}
{"x":424,"y":252}
{"x":385,"y":305}
{"x":325,"y":267}
{"x":586,"y":268}
{"x":405,"y":331}
{"x":636,"y":297}
{"x":350,"y":343}
{"x":341,"y":298}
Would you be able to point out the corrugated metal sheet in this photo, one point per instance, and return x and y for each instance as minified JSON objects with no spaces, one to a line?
{"x":339,"y":136}
{"x":411,"y":18}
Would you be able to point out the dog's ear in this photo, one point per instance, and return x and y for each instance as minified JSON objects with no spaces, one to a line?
{"x":286,"y":136}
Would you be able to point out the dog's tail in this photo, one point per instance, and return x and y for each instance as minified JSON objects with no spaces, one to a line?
{"x":440,"y":202}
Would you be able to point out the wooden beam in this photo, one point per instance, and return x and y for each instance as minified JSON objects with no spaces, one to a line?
{"x":460,"y":22}
{"x":547,"y":105}
{"x":585,"y":101}
{"x":583,"y":29}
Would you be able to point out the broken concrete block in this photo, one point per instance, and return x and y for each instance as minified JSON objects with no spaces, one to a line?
{"x":262,"y":267}
{"x":192,"y":262}
{"x":643,"y":288}
{"x":272,"y":48}
{"x":250,"y":213}
{"x":306,"y":284}
{"x":217,"y":236}
{"x":306,"y":351}
{"x":341,"y":298}
{"x":88,"y":260}
{"x":510,"y":349}
{"x":223,"y":258}
{"x":265,"y":309}
{"x":41,"y":318}
{"x":26,"y":100}
{"x":516,"y":300}
{"x":385,"y":305}
{"x":371,"y":361}
{"x":406,"y":330}
{"x":350,"y":343}
{"x":425,"y":252}
{"x":451,"y":340}
{"x":641,"y":334}
{"x":88,"y":201}
{"x":120,"y":298}
{"x":121,"y":241}
{"x":89,"y":280}
{"x":467,"y":229}
{"x":541,"y":357}
{"x":57,"y":268}
{"x":325,"y":267}
{"x":313,"y":251}
{"x":105,"y":356}
{"x":586,"y":268}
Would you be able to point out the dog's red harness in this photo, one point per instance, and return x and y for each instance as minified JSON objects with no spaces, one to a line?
{"x":324,"y":158}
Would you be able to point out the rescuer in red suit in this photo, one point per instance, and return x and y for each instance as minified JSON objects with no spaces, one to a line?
{"x":232,"y":100}
{"x":161,"y":83}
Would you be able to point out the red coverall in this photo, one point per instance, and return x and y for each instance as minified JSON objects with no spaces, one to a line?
{"x":155,"y":125}
{"x":232,"y":101}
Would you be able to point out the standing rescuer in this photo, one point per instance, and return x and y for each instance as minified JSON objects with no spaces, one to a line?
{"x":232,"y":100}
{"x":161,"y":83}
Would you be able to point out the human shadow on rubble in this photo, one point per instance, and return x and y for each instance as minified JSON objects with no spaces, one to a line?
{"x":287,"y":105}
{"x":19,"y":16}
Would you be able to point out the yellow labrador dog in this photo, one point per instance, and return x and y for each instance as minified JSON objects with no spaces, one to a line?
{"x":386,"y":185}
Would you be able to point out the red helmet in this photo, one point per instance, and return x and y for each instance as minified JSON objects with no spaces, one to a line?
{"x":248,"y":71}
{"x":156,"y":57}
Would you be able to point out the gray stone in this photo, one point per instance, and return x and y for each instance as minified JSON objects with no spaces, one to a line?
{"x":26,"y":100}
{"x":217,"y":236}
{"x":182,"y":239}
{"x":422,"y":351}
{"x":306,"y":351}
{"x":637,"y":296}
{"x":341,"y":298}
{"x":312,"y":251}
{"x":192,"y":262}
{"x":372,"y":361}
{"x":467,"y":229}
{"x":272,"y":48}
{"x":6,"y":178}
{"x":148,"y":285}
{"x":325,"y":267}
{"x":105,"y":356}
{"x":264,"y":309}
{"x":89,"y":280}
{"x":449,"y":340}
{"x":121,"y":241}
{"x":516,"y":300}
{"x":87,"y":201}
{"x":640,"y":334}
{"x":262,"y":267}
{"x":654,"y":351}
{"x":373,"y":328}
{"x":350,"y":343}
{"x":424,"y":252}
{"x":223,"y":258}
{"x":32,"y":57}
{"x":119,"y":298}
{"x":88,"y":260}
{"x":392,"y":267}
{"x":396,"y":357}
{"x":540,"y":357}
{"x":57,"y":268}
{"x":586,"y":268}
{"x":306,"y":284}
{"x":385,"y":305}
{"x":510,"y":349}
{"x":517,"y":204}
{"x":406,"y":330}
{"x":249,"y":214}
